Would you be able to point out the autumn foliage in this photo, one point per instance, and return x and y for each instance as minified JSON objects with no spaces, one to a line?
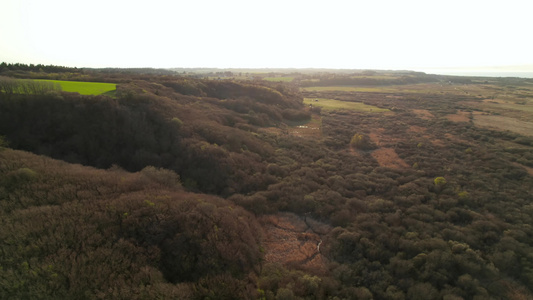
{"x":176,"y":188}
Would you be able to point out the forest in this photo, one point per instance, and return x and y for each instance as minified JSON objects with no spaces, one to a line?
{"x":195,"y":186}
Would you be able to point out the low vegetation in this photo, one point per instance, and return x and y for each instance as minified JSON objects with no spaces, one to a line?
{"x":189,"y":188}
{"x":281,"y":78}
{"x":331,"y":104}
{"x":10,"y":87}
{"x":85,"y":88}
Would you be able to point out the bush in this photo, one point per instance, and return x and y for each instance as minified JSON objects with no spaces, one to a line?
{"x":439,"y":181}
{"x":3,"y":143}
{"x":361,"y":142}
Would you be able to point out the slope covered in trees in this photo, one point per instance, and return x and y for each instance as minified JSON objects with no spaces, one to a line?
{"x":183,"y":177}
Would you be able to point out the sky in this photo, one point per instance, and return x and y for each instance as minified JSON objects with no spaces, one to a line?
{"x":341,"y":34}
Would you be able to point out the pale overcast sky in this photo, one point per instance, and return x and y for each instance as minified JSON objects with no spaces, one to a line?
{"x":386,"y":34}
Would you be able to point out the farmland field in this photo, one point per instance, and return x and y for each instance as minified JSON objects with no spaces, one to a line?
{"x":86,"y":88}
{"x":331,"y":104}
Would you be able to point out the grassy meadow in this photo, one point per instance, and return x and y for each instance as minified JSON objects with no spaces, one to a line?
{"x":86,"y":88}
{"x":331,"y":104}
{"x":283,"y":78}
{"x":418,"y":88}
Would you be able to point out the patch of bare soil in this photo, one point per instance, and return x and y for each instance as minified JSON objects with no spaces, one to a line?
{"x":504,"y":123}
{"x":291,"y":240}
{"x":423,"y":114}
{"x":445,"y":142}
{"x":380,"y":139}
{"x":436,"y":142}
{"x":387,"y":157}
{"x":417,"y":129}
{"x":376,"y":135}
{"x":460,"y":116}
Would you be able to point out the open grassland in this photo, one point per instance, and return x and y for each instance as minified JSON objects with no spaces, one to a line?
{"x":508,"y":101}
{"x":418,"y":88}
{"x":283,"y":79}
{"x":331,"y":104}
{"x":408,"y":88}
{"x":500,"y":106}
{"x":309,"y":129}
{"x":341,"y":89}
{"x":504,"y":123}
{"x":86,"y":88}
{"x":381,"y":77}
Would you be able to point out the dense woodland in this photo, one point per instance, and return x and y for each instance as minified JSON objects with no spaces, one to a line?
{"x":160,"y":192}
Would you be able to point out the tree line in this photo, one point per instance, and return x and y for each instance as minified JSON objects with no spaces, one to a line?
{"x":4,"y":67}
{"x":10,"y":86}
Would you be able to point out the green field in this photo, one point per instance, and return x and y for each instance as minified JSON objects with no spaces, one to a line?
{"x":86,"y":88}
{"x":331,"y":104}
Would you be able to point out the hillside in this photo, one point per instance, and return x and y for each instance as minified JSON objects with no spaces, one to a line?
{"x":380,"y":186}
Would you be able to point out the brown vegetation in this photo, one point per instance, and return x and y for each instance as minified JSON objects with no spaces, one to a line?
{"x":504,"y":123}
{"x":387,"y":157}
{"x":460,"y":116}
{"x":197,"y":189}
{"x":423,"y":114}
{"x":292,"y":242}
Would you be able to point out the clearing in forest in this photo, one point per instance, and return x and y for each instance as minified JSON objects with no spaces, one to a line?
{"x":332,"y":104}
{"x":423,"y":114}
{"x":86,"y":88}
{"x":417,"y":129}
{"x":290,"y":240}
{"x":460,"y":116}
{"x":309,"y":129}
{"x":388,"y":158}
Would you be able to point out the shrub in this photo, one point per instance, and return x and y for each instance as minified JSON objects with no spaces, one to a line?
{"x":439,"y":181}
{"x":177,"y":122}
{"x":361,"y":142}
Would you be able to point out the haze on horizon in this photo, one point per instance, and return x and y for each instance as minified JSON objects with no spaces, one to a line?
{"x":339,"y":34}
